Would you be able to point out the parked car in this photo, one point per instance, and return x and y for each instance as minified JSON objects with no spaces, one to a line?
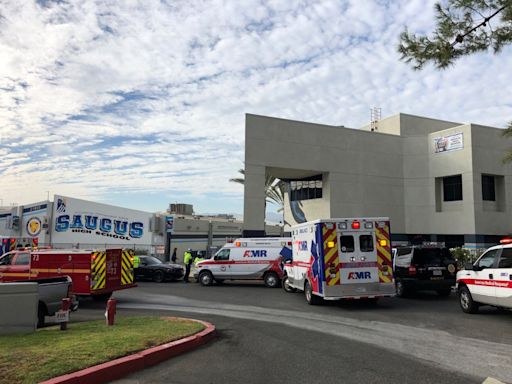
{"x":488,"y":281}
{"x":421,"y":268}
{"x":151,"y":268}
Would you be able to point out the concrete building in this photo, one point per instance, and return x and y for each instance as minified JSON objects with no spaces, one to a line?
{"x":437,"y":180}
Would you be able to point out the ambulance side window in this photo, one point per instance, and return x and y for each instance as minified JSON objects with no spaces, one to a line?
{"x":487,"y":260}
{"x":366,"y":243}
{"x":347,"y":243}
{"x":22,"y":259}
{"x":223,"y":254}
{"x":505,"y":258}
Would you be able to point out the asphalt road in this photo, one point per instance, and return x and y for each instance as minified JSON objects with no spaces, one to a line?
{"x":268,"y":335}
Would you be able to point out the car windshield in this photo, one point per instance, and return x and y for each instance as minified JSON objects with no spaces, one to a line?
{"x":152,"y":260}
{"x":431,"y":256}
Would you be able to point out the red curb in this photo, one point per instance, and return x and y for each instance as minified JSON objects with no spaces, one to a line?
{"x":115,"y":369}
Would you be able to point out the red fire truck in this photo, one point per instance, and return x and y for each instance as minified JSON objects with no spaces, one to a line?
{"x":94,"y":272}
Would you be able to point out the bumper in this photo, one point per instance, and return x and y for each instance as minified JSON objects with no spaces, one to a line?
{"x":174,"y":275}
{"x":359,"y":291}
{"x":428,"y":285}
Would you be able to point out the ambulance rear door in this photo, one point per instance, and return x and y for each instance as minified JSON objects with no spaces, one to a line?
{"x":358,"y":257}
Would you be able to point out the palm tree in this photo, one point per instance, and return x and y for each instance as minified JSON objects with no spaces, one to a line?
{"x":274,"y":188}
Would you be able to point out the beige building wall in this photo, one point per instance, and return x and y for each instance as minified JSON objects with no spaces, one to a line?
{"x":393,"y":171}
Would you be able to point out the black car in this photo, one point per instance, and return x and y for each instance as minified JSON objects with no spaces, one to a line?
{"x":151,"y":268}
{"x":424,"y":269}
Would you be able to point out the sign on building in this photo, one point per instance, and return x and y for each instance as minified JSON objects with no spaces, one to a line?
{"x":169,"y":224}
{"x":87,"y":222}
{"x":449,"y":143}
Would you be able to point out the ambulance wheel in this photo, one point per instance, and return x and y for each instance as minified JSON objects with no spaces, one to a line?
{"x":158,"y":277}
{"x":205,"y":278}
{"x":271,"y":280}
{"x":286,"y":286}
{"x":311,"y":298}
{"x":466,"y":301}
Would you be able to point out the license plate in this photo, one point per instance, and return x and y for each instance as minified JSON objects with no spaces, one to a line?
{"x":437,"y":278}
{"x":437,"y":273}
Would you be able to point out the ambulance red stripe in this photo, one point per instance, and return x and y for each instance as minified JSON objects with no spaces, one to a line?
{"x":487,"y":283}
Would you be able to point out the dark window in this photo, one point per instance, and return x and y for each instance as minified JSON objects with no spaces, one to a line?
{"x":452,"y":188}
{"x":306,"y":189}
{"x":223,"y":254}
{"x":150,"y":260}
{"x":347,"y":243}
{"x":403,"y":251}
{"x":431,"y":256}
{"x":366,"y":243}
{"x":506,"y":258}
{"x":22,"y":259}
{"x":488,"y":188}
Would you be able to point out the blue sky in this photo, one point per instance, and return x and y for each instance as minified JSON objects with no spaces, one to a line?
{"x":143,"y":103}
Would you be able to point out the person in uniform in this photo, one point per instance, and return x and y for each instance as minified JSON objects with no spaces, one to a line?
{"x":187,"y":259}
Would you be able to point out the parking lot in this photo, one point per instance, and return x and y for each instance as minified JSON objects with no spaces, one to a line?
{"x":270,"y":335}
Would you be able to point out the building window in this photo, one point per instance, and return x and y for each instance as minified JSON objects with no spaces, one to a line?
{"x":306,"y":189}
{"x":452,"y":188}
{"x":488,"y":188}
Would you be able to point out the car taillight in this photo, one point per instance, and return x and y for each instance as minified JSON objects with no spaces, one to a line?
{"x":412,"y":270}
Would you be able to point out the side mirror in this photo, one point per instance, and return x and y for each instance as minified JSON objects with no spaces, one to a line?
{"x":468,"y":266}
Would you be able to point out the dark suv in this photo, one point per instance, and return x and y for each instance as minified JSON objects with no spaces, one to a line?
{"x":420,"y":268}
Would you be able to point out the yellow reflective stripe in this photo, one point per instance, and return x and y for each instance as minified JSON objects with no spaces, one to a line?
{"x":126,"y":267}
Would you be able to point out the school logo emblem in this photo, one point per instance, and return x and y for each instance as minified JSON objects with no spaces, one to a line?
{"x":34,"y":226}
{"x":61,"y":205}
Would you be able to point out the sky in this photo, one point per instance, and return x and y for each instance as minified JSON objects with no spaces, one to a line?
{"x":142,"y":104}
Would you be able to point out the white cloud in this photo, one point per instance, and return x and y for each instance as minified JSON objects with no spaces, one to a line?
{"x":99,"y":97}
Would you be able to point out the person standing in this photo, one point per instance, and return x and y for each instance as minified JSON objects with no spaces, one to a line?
{"x":187,"y":259}
{"x":173,"y":257}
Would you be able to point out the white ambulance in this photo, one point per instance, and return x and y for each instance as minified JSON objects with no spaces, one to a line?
{"x":488,"y":281}
{"x":341,"y":259}
{"x":246,"y":259}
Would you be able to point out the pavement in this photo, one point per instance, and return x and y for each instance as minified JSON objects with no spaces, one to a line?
{"x":268,"y":335}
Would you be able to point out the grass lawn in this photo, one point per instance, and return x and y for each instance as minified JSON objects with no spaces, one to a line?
{"x":49,"y":352}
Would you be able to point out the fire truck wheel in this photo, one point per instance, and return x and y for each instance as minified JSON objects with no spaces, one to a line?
{"x":466,"y":301}
{"x":205,"y":278}
{"x":286,"y":286}
{"x":271,"y":280}
{"x":311,"y":298}
{"x":158,"y":277}
{"x":41,"y":313}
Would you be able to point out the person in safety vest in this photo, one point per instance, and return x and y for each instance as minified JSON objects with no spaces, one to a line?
{"x":136,"y":261}
{"x":187,"y":259}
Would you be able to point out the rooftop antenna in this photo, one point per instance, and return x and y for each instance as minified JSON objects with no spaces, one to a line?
{"x":375,"y":116}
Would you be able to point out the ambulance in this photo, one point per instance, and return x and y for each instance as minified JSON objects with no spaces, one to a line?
{"x":246,"y":259}
{"x":488,"y":281}
{"x":95,"y":273}
{"x":341,"y":259}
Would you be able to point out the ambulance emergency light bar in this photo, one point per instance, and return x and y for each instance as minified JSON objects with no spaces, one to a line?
{"x":357,"y":225}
